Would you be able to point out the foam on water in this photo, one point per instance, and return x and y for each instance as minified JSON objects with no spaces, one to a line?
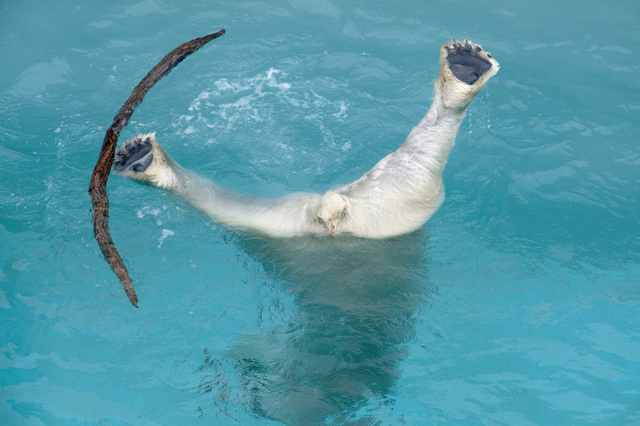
{"x":518,"y":303}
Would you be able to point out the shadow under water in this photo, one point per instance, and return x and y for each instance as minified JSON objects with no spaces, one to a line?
{"x":338,"y":344}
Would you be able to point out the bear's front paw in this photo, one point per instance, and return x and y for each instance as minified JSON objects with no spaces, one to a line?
{"x":134,"y":157}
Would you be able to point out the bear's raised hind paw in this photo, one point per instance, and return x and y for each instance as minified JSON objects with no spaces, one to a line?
{"x":467,"y":61}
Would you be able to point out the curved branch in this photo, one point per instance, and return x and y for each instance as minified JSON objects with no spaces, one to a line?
{"x":97,"y":188}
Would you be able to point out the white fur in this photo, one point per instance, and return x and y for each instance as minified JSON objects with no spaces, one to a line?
{"x":398,"y":195}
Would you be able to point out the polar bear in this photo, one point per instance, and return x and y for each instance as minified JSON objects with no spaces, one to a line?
{"x":397,"y":196}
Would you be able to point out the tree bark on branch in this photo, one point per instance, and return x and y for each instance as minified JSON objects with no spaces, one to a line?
{"x":97,"y":188}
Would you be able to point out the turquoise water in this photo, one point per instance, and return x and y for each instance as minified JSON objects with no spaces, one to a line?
{"x":518,"y":302}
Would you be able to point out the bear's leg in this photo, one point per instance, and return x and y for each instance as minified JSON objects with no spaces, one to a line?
{"x":405,"y":188}
{"x":142,"y":159}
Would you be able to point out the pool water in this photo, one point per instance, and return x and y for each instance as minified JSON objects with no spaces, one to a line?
{"x":517,"y":303}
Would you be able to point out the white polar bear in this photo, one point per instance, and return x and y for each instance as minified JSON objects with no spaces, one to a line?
{"x":398,"y":195}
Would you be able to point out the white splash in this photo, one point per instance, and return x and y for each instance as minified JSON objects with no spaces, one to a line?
{"x":165,"y":234}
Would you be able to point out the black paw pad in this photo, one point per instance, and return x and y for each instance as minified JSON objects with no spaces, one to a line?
{"x":466,"y":64}
{"x":135,"y":156}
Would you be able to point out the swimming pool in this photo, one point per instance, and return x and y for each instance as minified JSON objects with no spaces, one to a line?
{"x":517,"y":303}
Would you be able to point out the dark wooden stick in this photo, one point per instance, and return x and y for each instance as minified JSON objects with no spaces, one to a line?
{"x":97,"y":188}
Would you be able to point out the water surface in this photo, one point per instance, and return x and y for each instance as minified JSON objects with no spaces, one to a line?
{"x":517,"y":303}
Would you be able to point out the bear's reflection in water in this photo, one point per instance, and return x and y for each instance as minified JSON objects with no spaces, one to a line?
{"x":339,"y":342}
